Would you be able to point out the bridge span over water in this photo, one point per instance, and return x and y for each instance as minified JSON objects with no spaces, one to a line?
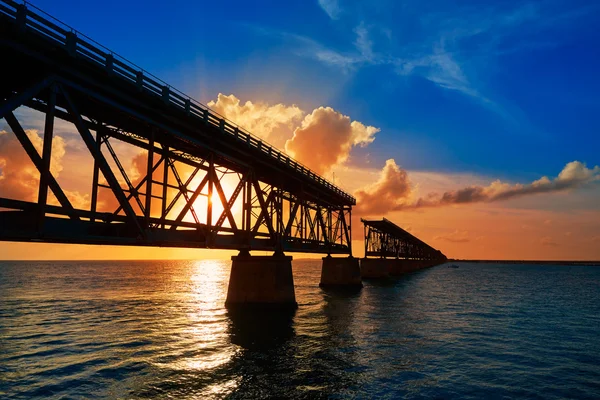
{"x":206,"y":182}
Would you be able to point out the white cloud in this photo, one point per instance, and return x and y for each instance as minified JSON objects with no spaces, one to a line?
{"x":363,"y":43}
{"x":331,"y":7}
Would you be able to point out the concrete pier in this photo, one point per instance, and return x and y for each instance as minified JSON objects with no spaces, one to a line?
{"x":403,"y":266}
{"x":340,"y":272}
{"x":374,"y":268}
{"x":261,"y":281}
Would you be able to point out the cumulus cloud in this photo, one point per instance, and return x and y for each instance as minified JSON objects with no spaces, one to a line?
{"x":19,"y":178}
{"x":320,"y":139}
{"x":273,"y":123}
{"x":392,"y":192}
{"x":326,"y":137}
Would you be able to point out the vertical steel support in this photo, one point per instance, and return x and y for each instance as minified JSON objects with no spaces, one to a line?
{"x":211,"y":177}
{"x":95,"y":177}
{"x":46,"y":158}
{"x":244,"y":207}
{"x":247,"y":209}
{"x":330,"y":238}
{"x":164,"y":186}
{"x":366,"y":240}
{"x":149,"y":171}
{"x":349,"y":230}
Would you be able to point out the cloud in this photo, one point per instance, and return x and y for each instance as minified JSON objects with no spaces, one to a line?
{"x":320,"y":140}
{"x":269,"y":122}
{"x":575,"y":174}
{"x":363,"y":43}
{"x":326,"y":137}
{"x":331,"y":7}
{"x":548,"y":242}
{"x":391,"y":192}
{"x":455,"y":237}
{"x":345,"y":60}
{"x":19,"y":178}
{"x":453,"y":48}
{"x":441,"y":68}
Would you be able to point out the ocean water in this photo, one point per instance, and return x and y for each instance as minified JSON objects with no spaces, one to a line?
{"x":158,"y":329}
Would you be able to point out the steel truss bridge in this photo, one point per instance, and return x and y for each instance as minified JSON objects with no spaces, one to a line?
{"x":385,"y":239}
{"x":271,"y":202}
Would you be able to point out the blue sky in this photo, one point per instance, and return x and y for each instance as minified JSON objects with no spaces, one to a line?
{"x":506,"y":89}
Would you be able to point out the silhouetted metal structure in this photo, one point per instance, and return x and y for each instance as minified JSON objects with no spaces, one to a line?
{"x":271,"y":202}
{"x":385,"y":239}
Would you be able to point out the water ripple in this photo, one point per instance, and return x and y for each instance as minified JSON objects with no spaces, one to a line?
{"x":159,"y":330}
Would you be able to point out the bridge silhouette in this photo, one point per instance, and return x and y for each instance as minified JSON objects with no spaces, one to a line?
{"x":208,"y":183}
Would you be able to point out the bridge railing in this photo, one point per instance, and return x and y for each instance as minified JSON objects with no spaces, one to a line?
{"x":77,"y":44}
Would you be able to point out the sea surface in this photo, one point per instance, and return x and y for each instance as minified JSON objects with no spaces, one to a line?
{"x":158,"y":329}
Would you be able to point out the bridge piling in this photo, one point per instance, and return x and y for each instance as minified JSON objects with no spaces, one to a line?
{"x":261,"y":282}
{"x":340,"y":272}
{"x":375,"y":268}
{"x":404,"y":266}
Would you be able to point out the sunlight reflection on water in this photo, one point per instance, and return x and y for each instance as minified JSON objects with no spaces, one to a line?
{"x":159,"y":330}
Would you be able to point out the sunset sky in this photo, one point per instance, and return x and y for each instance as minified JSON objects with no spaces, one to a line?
{"x":472,"y":124}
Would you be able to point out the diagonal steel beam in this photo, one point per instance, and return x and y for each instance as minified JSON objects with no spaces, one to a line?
{"x":225,"y":203}
{"x":292,"y":217}
{"x":37,"y":161}
{"x":167,"y":209}
{"x":191,"y":201}
{"x":264,"y":212}
{"x":183,"y":190}
{"x":323,"y":226}
{"x":345,"y":227}
{"x":132,"y":190}
{"x":19,"y":99}
{"x":99,"y":157}
{"x":312,"y":235}
{"x":141,"y":183}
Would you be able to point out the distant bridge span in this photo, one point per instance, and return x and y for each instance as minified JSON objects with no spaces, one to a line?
{"x":270,"y":201}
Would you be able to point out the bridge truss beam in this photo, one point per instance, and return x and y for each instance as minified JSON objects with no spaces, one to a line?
{"x":384,"y":239}
{"x":185,"y":198}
